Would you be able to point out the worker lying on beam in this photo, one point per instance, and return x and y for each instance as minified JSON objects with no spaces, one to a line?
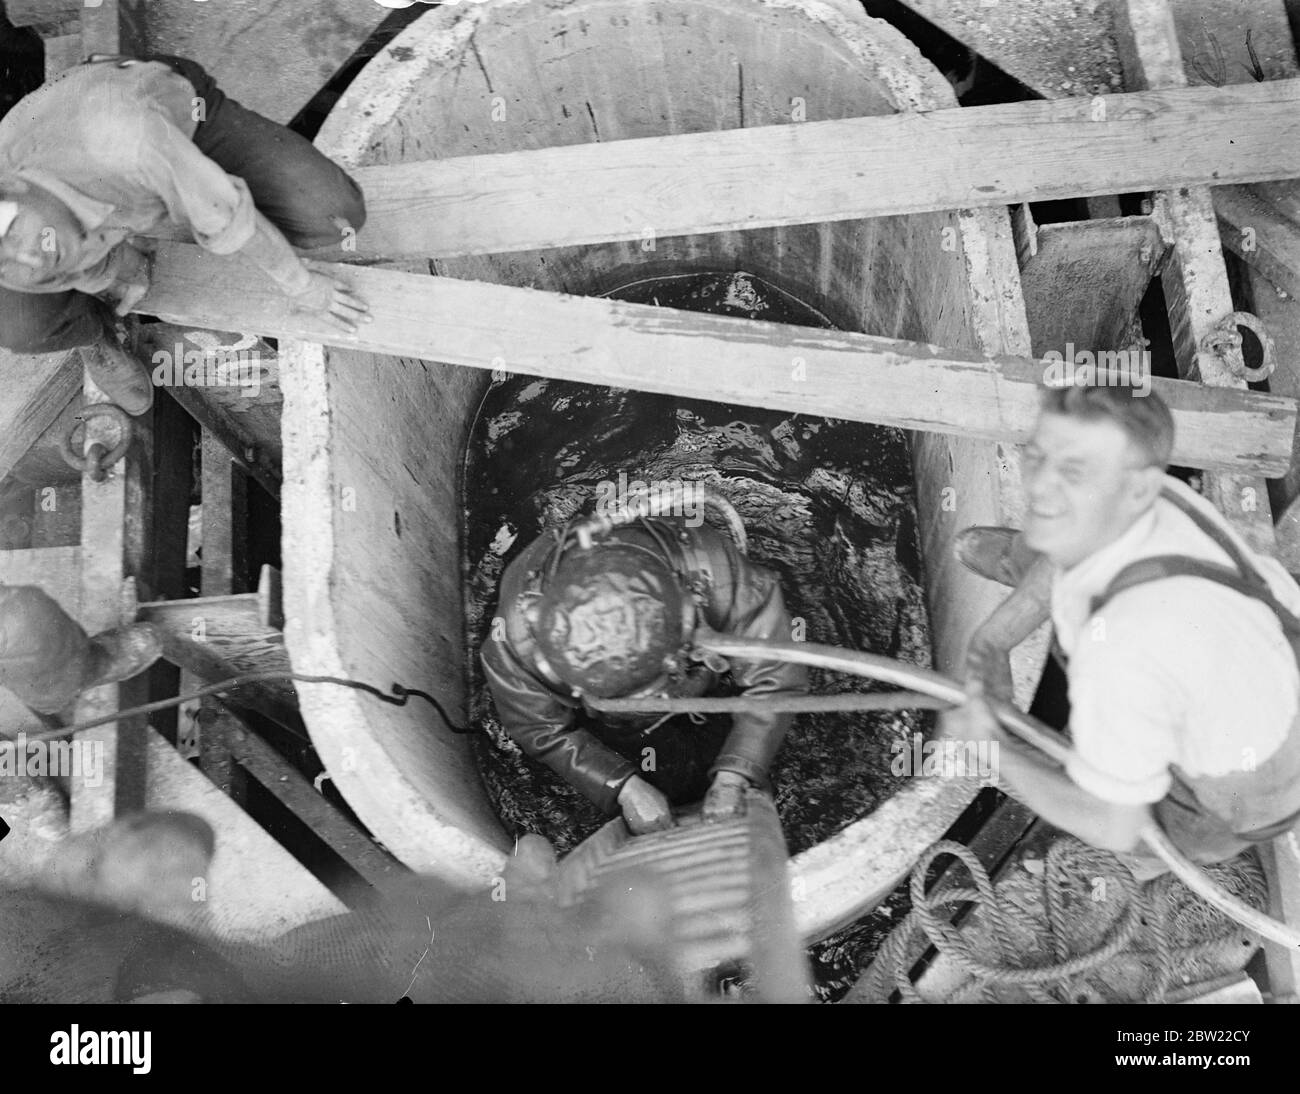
{"x":117,"y":148}
{"x":1183,"y":686}
{"x":613,"y":619}
{"x":47,"y":660}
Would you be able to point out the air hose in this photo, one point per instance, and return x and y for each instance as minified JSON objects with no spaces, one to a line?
{"x":1024,"y":726}
{"x":652,"y":503}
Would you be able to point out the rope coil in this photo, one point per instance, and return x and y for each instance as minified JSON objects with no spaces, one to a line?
{"x":1145,"y":908}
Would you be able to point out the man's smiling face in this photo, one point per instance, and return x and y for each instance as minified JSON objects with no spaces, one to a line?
{"x":43,"y":238}
{"x":1085,"y":484}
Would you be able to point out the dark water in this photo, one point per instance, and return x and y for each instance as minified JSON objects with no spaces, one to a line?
{"x":828,"y":506}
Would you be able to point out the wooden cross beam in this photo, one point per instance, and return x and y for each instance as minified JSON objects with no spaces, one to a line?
{"x":592,"y":340}
{"x":831,"y":170}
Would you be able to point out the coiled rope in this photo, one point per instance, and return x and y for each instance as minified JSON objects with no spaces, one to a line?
{"x":1148,"y":907}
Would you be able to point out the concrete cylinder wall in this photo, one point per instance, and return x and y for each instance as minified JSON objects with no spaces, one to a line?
{"x":379,"y":603}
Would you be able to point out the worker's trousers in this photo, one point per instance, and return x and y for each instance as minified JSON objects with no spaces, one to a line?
{"x":297,"y":188}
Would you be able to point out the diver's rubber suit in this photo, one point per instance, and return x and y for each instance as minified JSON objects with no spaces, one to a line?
{"x":734,"y":596}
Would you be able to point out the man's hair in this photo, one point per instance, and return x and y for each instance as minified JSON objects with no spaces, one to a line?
{"x":1146,"y":420}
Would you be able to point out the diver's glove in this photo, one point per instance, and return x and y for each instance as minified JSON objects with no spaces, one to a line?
{"x":726,"y":797}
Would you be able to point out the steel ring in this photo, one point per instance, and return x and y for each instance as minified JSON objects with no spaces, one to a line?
{"x":97,"y":467}
{"x":1225,"y":332}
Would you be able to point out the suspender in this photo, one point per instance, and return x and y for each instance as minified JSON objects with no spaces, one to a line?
{"x":1245,"y":579}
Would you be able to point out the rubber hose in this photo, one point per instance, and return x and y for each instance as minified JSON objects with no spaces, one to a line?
{"x":1027,"y":728}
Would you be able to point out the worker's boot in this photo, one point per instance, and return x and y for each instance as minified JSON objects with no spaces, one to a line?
{"x":123,"y":652}
{"x":998,"y":554}
{"x":47,"y":660}
{"x":119,"y":374}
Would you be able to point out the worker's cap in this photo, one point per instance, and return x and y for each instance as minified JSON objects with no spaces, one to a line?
{"x":609,"y":617}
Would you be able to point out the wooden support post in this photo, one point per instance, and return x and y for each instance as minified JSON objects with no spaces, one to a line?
{"x":225,"y":521}
{"x":113,"y":26}
{"x":1195,"y":279}
{"x":225,"y":535}
{"x":1196,"y":291}
{"x":828,"y":373}
{"x":115,"y":520}
{"x":164,"y":573}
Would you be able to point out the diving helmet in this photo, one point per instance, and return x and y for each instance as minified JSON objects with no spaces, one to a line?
{"x":611,"y":618}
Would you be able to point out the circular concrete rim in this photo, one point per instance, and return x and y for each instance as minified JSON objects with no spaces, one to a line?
{"x":834,"y":882}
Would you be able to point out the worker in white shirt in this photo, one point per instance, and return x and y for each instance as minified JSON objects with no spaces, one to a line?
{"x":1183,"y":683}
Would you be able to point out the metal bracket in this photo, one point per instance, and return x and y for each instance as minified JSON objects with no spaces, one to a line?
{"x":97,"y":459}
{"x":1224,"y":340}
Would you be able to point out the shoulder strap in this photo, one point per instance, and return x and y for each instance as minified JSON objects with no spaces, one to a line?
{"x":1161,"y":566}
{"x":1211,"y":529}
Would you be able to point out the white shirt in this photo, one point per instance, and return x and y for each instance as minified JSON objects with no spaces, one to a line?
{"x":1177,"y":671}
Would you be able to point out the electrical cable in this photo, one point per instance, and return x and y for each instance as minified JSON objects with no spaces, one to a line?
{"x":398,"y":696}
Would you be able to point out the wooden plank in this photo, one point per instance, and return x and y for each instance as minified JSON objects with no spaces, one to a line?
{"x":283,"y":780}
{"x":1280,"y":314}
{"x":211,"y":662}
{"x":1085,"y":280}
{"x":828,"y":373}
{"x":194,"y":615}
{"x":843,"y":169}
{"x":34,"y":390}
{"x":1281,"y":859}
{"x":244,"y":449}
{"x":1254,"y":230}
{"x":236,"y":376}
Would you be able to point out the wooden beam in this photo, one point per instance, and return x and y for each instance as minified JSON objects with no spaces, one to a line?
{"x":287,"y":783}
{"x":1254,"y":230}
{"x":844,"y":169}
{"x":827,"y":373}
{"x":34,"y":390}
{"x":245,"y":452}
{"x":210,"y":664}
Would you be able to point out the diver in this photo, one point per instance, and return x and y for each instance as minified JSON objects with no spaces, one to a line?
{"x":606,"y":608}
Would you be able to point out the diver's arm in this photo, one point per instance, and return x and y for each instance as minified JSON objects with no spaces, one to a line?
{"x":541,"y":723}
{"x":758,"y":612}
